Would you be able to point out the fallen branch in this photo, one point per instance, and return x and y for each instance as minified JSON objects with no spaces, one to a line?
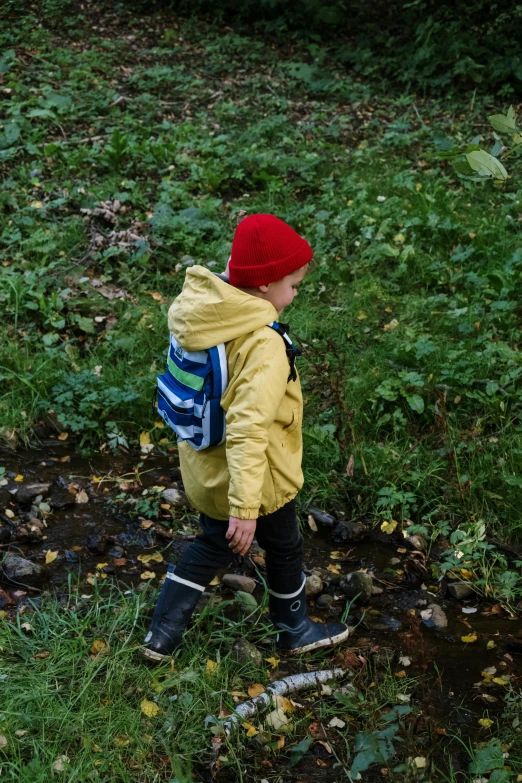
{"x":292,"y":684}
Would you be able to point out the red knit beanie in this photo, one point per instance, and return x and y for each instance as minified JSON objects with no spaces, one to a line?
{"x":265,"y":249}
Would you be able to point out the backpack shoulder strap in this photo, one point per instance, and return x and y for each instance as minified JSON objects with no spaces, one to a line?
{"x":291,"y":351}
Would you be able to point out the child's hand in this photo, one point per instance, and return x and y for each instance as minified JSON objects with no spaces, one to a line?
{"x":241,"y":531}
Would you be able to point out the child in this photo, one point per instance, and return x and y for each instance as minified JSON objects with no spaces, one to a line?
{"x":247,"y":485}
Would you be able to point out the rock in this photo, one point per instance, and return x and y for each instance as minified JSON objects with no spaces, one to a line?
{"x":175,"y":498}
{"x":237,"y":582}
{"x":460,"y":590}
{"x":314,"y":584}
{"x":415,"y":541}
{"x":324,"y":601}
{"x":377,"y":590}
{"x":97,"y":543}
{"x":62,"y":498}
{"x":5,"y":534}
{"x":245,"y":652}
{"x":28,"y":492}
{"x":357,"y":585}
{"x":19,"y":569}
{"x":117,"y":551}
{"x":347,"y":532}
{"x":434,"y":617}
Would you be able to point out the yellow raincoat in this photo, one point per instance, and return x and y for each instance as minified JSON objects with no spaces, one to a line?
{"x":258,"y":469}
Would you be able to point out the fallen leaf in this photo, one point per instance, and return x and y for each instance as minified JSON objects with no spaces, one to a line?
{"x":149,"y":708}
{"x":472,"y":637}
{"x":273,"y":661}
{"x":101,"y":566}
{"x":10,"y":514}
{"x":19,"y":478}
{"x":350,"y":466}
{"x":420,"y":762}
{"x":276,"y":719}
{"x":119,"y":561}
{"x":321,"y":763}
{"x":148,"y":575}
{"x":335,"y":569}
{"x":20,"y":732}
{"x":63,"y":436}
{"x":326,"y":745}
{"x":259,"y":560}
{"x":491,"y":645}
{"x":400,"y":674}
{"x":50,"y":557}
{"x":27,"y":627}
{"x":404,"y":660}
{"x":361,"y":315}
{"x":312,"y":524}
{"x":157,"y":557}
{"x":255,"y":690}
{"x":82,"y":497}
{"x":326,"y":690}
{"x":486,"y":722}
{"x":389,"y":526}
{"x":214,"y":582}
{"x":146,"y":524}
{"x":280,"y":743}
{"x":145,"y":445}
{"x":351,"y":660}
{"x":336,"y":723}
{"x":99,"y":647}
{"x":389,"y":327}
{"x":3,"y":614}
{"x":60,"y":763}
{"x":317,"y":730}
{"x":3,"y":742}
{"x":251,"y":730}
{"x":121,"y":741}
{"x":210,"y":667}
{"x":42,"y":655}
{"x":337,"y":555}
{"x":503,"y":680}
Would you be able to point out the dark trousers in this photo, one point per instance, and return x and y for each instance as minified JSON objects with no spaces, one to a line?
{"x":278,"y":534}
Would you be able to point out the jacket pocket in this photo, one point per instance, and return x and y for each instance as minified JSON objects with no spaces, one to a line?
{"x":297,"y":415}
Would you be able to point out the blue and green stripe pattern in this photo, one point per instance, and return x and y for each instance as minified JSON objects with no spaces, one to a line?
{"x":189,"y":394}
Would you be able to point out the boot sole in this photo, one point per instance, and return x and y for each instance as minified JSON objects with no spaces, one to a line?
{"x":150,"y":655}
{"x":328,"y":641}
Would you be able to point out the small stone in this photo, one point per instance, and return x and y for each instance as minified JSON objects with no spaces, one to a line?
{"x":71,"y":556}
{"x":117,"y":551}
{"x":460,"y":590}
{"x":175,"y":498}
{"x":97,"y":543}
{"x":324,"y":601}
{"x":19,"y":569}
{"x":238,"y":582}
{"x":434,"y":617}
{"x":28,"y":492}
{"x":377,"y":590}
{"x":347,"y":532}
{"x":357,"y":585}
{"x":314,"y":584}
{"x":245,"y":652}
{"x":61,"y":498}
{"x":417,"y":542}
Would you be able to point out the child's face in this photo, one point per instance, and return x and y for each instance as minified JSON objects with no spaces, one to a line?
{"x":283,"y":292}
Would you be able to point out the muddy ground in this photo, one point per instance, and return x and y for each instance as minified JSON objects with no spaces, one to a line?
{"x":100,"y":520}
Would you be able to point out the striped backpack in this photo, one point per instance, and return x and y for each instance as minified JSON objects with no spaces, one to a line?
{"x":190,"y":391}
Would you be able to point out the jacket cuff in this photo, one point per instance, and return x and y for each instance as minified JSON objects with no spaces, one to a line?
{"x":244,"y":513}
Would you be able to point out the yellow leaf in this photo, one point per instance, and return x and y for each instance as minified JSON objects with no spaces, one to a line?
{"x":280,"y":743}
{"x":122,"y":741}
{"x":399,"y":238}
{"x":272,"y":661}
{"x":337,"y":555}
{"x":81,"y":497}
{"x":66,"y":458}
{"x":251,"y":730}
{"x":99,"y":647}
{"x":400,"y":674}
{"x":465,"y":574}
{"x":491,"y":645}
{"x":210,"y":668}
{"x":63,"y":436}
{"x":333,"y":568}
{"x":100,"y":566}
{"x":486,"y":722}
{"x":148,"y":575}
{"x":255,"y":690}
{"x":389,"y":526}
{"x":504,"y":680}
{"x":149,"y":708}
{"x":469,"y":639}
{"x":36,"y":204}
{"x":155,"y":558}
{"x":361,"y":316}
{"x":144,"y":439}
{"x":214,"y":582}
{"x":50,"y":557}
{"x":146,"y":524}
{"x":3,"y":742}
{"x":418,"y":186}
{"x":19,"y":477}
{"x":389,"y":327}
{"x":3,"y":614}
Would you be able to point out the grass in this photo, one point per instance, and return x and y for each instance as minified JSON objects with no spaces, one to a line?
{"x":410,"y":319}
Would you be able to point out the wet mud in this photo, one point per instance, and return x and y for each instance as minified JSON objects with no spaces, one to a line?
{"x":87,"y":515}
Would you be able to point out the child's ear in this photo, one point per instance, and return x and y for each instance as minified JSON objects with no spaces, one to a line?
{"x":264,"y":288}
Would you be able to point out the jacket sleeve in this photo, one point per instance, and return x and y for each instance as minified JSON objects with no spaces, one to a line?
{"x":257,"y":388}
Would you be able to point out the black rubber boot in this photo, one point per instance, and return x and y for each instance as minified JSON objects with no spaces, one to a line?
{"x":176,"y":602}
{"x":299,"y":634}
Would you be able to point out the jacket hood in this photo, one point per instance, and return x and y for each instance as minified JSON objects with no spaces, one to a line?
{"x":210,"y":311}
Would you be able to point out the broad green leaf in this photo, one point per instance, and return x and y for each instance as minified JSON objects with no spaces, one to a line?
{"x":502,"y":123}
{"x":463,"y":168}
{"x":10,"y":135}
{"x":298,"y":751}
{"x":486,"y":165}
{"x":245,"y":601}
{"x":87,"y":325}
{"x":488,"y":758}
{"x":415,"y":402}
